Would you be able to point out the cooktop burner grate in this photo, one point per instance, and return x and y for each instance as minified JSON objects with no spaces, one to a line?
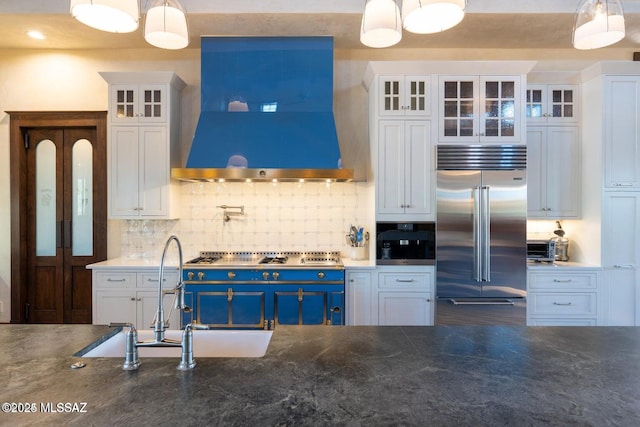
{"x":274,"y":260}
{"x":204,"y":260}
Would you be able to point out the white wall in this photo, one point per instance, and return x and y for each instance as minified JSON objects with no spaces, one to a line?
{"x":32,"y":80}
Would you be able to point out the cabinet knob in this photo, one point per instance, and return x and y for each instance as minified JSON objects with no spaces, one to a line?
{"x":133,"y":299}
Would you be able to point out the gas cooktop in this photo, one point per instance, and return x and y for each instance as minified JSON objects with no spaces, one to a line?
{"x":266,"y":259}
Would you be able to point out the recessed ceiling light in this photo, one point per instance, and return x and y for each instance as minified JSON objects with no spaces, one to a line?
{"x":36,"y":35}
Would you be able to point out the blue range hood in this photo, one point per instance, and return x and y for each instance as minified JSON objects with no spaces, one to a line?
{"x":267,"y":111}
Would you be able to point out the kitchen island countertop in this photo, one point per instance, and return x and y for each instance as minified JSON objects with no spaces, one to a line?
{"x":438,"y":376}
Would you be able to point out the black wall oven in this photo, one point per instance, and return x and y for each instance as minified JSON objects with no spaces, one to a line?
{"x":405,"y":243}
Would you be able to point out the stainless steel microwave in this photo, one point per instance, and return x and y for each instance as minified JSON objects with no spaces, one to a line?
{"x":541,"y":250}
{"x":405,"y":243}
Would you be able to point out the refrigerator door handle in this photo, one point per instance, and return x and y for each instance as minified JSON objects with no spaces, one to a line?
{"x":486,"y":235}
{"x":477,"y":235}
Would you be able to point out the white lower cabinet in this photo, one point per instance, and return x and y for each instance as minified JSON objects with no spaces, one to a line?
{"x":389,"y":295}
{"x":405,"y":296}
{"x":621,"y":257}
{"x":358,"y":292}
{"x":131,"y":297}
{"x":564,"y":298}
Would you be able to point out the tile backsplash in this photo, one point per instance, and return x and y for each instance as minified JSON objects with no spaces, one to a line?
{"x":277,"y":216}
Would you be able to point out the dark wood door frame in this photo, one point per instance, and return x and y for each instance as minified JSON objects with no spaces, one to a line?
{"x":20,"y":120}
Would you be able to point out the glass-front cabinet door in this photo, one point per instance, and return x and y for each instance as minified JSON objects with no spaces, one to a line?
{"x":138,"y":103}
{"x":553,"y":103}
{"x":404,"y":95}
{"x":459,"y":108}
{"x":480,"y":109}
{"x":499,"y":108}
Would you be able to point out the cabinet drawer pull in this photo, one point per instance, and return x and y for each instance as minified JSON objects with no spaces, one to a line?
{"x":116,"y":280}
{"x":133,"y":299}
{"x":149,"y":279}
{"x":623,"y":266}
{"x":623,"y":184}
{"x":561,"y":303}
{"x":404,"y":280}
{"x":562,"y":281}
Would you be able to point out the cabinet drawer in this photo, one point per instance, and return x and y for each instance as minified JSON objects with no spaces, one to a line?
{"x":557,"y":281}
{"x":146,"y":280}
{"x":561,"y":322}
{"x":569,"y":304}
{"x":411,"y":281}
{"x":114,"y":279}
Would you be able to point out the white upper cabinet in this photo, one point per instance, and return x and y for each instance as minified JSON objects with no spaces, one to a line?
{"x":402,"y":95}
{"x":404,"y":173}
{"x":622,"y":133}
{"x":552,"y":104}
{"x":480,"y":109}
{"x":142,"y":103}
{"x":144,"y":112}
{"x":553,"y":172}
{"x":139,"y":175}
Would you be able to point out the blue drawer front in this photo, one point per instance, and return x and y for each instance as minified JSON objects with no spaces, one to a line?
{"x":309,"y":276}
{"x":215,"y":275}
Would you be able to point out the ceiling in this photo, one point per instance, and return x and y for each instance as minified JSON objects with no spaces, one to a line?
{"x":491,"y":24}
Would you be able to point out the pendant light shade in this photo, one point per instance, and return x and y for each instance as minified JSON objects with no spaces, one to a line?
{"x":598,"y":23}
{"x":381,"y":23}
{"x":431,"y":16}
{"x":115,"y":16}
{"x":166,"y":25}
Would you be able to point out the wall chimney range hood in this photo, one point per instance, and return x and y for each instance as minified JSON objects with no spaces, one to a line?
{"x":267,"y":112}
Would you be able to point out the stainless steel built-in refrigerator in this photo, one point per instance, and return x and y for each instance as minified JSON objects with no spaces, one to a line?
{"x":481,"y":251}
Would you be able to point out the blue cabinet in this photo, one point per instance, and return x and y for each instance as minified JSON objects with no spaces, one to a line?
{"x":262,"y":304}
{"x":223,"y":306}
{"x":308,"y":305}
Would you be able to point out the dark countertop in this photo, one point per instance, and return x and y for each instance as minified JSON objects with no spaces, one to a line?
{"x":437,"y":376}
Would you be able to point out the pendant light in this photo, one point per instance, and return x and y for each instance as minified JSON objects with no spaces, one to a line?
{"x":432,"y":16}
{"x":598,"y":23}
{"x":115,"y":16}
{"x":166,"y":25}
{"x":381,"y":23}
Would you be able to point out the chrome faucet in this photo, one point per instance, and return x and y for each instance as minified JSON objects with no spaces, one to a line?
{"x":159,"y":325}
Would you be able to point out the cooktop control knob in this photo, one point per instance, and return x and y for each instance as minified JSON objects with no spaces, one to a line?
{"x":200,"y":275}
{"x":265,"y":275}
{"x":231,"y":275}
{"x":190,"y":275}
{"x":321,"y":275}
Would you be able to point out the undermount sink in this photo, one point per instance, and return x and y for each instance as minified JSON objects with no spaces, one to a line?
{"x":207,"y":343}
